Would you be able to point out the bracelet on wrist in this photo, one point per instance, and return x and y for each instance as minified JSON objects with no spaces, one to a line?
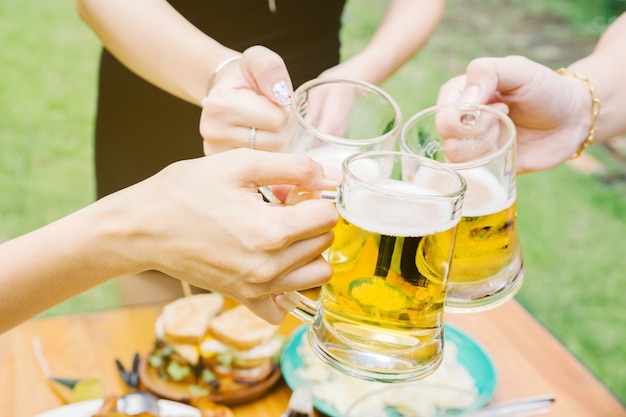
{"x":217,"y":70}
{"x":595,"y":109}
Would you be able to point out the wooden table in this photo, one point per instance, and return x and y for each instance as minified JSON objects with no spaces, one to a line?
{"x":529,"y":360}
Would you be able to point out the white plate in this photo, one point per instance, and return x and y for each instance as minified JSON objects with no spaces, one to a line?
{"x":89,"y":408}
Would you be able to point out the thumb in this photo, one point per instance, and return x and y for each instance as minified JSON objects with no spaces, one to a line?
{"x":266,"y":71}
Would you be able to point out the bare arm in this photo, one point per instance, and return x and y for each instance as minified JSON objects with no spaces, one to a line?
{"x":606,"y":69}
{"x":405,"y":28}
{"x":167,"y":50}
{"x":152,"y":39}
{"x":201,"y":221}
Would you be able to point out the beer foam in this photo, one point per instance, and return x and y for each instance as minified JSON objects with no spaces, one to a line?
{"x":331,"y":155}
{"x":382,"y":213}
{"x":484,"y":195}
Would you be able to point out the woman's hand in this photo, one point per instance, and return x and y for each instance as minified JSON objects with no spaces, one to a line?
{"x":203,"y":221}
{"x":552,"y":112}
{"x":251,"y":92}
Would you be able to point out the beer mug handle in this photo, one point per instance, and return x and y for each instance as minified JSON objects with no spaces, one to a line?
{"x":299,"y":306}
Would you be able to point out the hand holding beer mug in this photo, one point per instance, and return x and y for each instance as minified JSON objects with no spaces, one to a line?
{"x":333,"y":118}
{"x":479,"y":142}
{"x":380,"y":317}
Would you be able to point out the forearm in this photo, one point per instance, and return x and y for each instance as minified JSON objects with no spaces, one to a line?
{"x":405,"y":28}
{"x":152,"y":39}
{"x":605,"y":69}
{"x":58,"y":261}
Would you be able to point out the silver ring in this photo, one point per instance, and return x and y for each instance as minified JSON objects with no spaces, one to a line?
{"x":252,"y":138}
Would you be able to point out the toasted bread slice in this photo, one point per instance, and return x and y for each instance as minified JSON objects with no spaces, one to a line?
{"x":189,"y":353}
{"x":185,"y":320}
{"x":241,"y":328}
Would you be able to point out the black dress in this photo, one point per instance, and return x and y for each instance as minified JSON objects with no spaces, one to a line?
{"x":140,"y":129}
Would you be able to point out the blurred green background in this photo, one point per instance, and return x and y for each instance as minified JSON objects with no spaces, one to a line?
{"x":572,"y":219}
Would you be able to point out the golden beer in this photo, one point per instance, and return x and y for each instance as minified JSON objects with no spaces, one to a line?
{"x":487,"y":251}
{"x":388,"y":287}
{"x":486,"y":240}
{"x":380,"y":317}
{"x":485,"y":245}
{"x":479,"y":142}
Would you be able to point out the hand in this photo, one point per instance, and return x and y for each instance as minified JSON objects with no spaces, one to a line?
{"x":204,"y":222}
{"x":551,"y":112}
{"x":251,"y":92}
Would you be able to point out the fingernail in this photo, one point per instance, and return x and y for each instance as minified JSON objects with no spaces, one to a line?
{"x":283,"y":94}
{"x":470,"y":94}
{"x":332,"y":173}
{"x":287,"y":301}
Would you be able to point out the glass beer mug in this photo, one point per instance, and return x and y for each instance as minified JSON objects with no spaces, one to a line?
{"x":333,"y":118}
{"x":479,"y":142}
{"x":380,"y":317}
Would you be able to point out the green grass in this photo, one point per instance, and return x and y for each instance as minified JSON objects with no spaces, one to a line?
{"x":571,"y":224}
{"x":48,"y":66}
{"x":571,"y":227}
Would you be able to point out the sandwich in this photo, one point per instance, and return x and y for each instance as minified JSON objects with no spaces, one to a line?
{"x":206,"y":349}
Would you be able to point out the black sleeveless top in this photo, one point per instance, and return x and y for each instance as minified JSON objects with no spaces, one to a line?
{"x":140,"y":129}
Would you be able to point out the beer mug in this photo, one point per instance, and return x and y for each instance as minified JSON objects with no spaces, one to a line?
{"x":380,"y":317}
{"x":333,"y":118}
{"x":479,"y":142}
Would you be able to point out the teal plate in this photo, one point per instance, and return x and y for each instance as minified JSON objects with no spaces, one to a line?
{"x":471,"y":355}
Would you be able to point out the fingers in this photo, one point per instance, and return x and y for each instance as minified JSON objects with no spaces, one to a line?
{"x":481,"y":81}
{"x":229,"y":114}
{"x":450,"y":92}
{"x":306,"y":228}
{"x":267,"y":309}
{"x":256,"y":93}
{"x":269,"y":168}
{"x":311,"y":275}
{"x":266,"y":70}
{"x":220,"y":137}
{"x":486,"y":79}
{"x":491,"y":80}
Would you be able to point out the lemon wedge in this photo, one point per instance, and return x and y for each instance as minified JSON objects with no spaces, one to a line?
{"x":87,"y":389}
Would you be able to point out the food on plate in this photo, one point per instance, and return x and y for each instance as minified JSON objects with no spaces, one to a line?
{"x":211,"y":350}
{"x":185,"y":320}
{"x":450,"y":387}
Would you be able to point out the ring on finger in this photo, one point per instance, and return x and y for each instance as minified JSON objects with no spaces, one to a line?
{"x":252,"y":138}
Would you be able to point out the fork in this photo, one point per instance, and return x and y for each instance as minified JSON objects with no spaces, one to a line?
{"x":137,"y":401}
{"x":525,"y":407}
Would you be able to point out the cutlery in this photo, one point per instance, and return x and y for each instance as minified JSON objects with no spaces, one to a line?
{"x":136,"y":401}
{"x":524,"y":407}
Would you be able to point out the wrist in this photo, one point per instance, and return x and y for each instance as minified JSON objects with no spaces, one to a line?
{"x":591,"y":109}
{"x":359,"y":67}
{"x":116,"y":234}
{"x":216,"y":71}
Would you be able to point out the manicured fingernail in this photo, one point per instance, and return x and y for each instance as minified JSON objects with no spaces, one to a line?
{"x":332,"y":173}
{"x":283,"y":94}
{"x":470,"y":94}
{"x":287,"y":301}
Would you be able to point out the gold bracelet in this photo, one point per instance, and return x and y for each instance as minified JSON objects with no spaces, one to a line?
{"x":595,"y":109}
{"x":217,"y":70}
